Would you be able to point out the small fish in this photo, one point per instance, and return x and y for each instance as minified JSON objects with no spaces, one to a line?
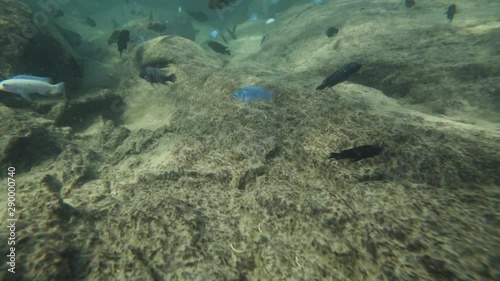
{"x":250,"y":93}
{"x":219,"y":48}
{"x":450,"y":13}
{"x":24,"y":85}
{"x":339,"y":76}
{"x":332,"y":31}
{"x":214,"y":33}
{"x":357,"y":153}
{"x":114,"y":37}
{"x":269,"y":21}
{"x":154,"y":75}
{"x":199,"y":16}
{"x":263,"y":39}
{"x":91,"y":22}
{"x":123,"y":38}
{"x":232,"y":32}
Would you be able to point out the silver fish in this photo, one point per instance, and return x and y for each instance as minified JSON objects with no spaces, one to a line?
{"x":24,"y":85}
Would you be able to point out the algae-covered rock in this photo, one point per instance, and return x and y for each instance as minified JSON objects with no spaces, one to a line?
{"x":27,"y":141}
{"x":165,"y":50}
{"x":31,"y":43}
{"x":71,"y":112}
{"x":14,"y":17}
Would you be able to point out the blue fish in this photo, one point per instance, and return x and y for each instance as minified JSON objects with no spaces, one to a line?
{"x":249,"y":93}
{"x":214,"y":33}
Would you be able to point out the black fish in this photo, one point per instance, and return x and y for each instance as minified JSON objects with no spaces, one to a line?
{"x":232,"y":33}
{"x":341,"y":75}
{"x":358,"y":153}
{"x":154,"y":75}
{"x":219,"y":48}
{"x":199,"y":16}
{"x":219,"y":4}
{"x":91,"y":22}
{"x":450,"y":13}
{"x":332,"y":31}
{"x":114,"y":37}
{"x":263,"y":39}
{"x":123,"y":38}
{"x":409,"y":3}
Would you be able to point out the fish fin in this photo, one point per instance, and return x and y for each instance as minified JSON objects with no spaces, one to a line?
{"x":59,"y":89}
{"x":30,"y":77}
{"x":25,"y":96}
{"x":247,"y":100}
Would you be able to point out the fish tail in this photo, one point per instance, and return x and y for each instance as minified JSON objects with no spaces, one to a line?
{"x":59,"y":89}
{"x":270,"y":95}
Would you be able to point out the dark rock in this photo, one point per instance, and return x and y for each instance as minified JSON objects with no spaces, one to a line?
{"x":72,"y":112}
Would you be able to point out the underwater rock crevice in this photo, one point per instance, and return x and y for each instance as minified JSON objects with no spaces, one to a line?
{"x":31,"y":149}
{"x":72,"y":112}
